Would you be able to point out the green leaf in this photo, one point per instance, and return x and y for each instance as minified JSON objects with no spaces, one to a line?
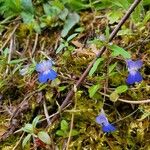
{"x":16,"y":61}
{"x":94,"y":68}
{"x":114,"y":16}
{"x":136,"y":15}
{"x":5,"y":52}
{"x":25,"y":140}
{"x":93,"y":89}
{"x":72,"y":19}
{"x":36,"y":26}
{"x":71,"y":37}
{"x":60,"y":48}
{"x":62,"y":88}
{"x":28,"y":128}
{"x":116,"y":51}
{"x":27,"y":17}
{"x":64,"y":14}
{"x":121,"y":89}
{"x":36,"y":120}
{"x":74,"y":132}
{"x":112,"y":67}
{"x":121,"y":3}
{"x":64,"y":125}
{"x":43,"y":136}
{"x":114,"y":96}
{"x":55,"y":83}
{"x":60,"y":133}
{"x":76,"y":5}
{"x":27,"y":6}
{"x":147,"y":17}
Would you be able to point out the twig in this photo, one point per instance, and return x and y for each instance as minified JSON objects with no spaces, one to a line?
{"x":126,"y":116}
{"x":128,"y":101}
{"x":54,"y":114}
{"x":46,"y":113}
{"x":18,"y":141}
{"x":72,"y":120}
{"x":35,"y":43}
{"x":11,"y":47}
{"x":71,"y":127}
{"x":9,"y":37}
{"x":85,"y":73}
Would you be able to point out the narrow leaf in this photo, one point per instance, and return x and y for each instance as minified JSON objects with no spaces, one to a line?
{"x":60,"y":48}
{"x":93,"y":89}
{"x":25,"y":140}
{"x":94,"y":68}
{"x":116,"y":50}
{"x":112,"y":67}
{"x":36,"y":120}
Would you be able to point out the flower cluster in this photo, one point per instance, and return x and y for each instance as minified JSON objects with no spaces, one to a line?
{"x":103,"y":121}
{"x":134,"y":75}
{"x":45,"y":71}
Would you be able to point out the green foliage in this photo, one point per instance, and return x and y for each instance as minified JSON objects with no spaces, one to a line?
{"x":65,"y":44}
{"x":32,"y":131}
{"x":72,"y":19}
{"x":10,"y":8}
{"x":119,"y":90}
{"x":95,"y":65}
{"x":64,"y":130}
{"x":76,"y":5}
{"x":114,"y":16}
{"x":64,"y":125}
{"x":43,"y":136}
{"x":116,"y":51}
{"x":65,"y":28}
{"x":26,"y":140}
{"x":114,"y":96}
{"x":93,"y":89}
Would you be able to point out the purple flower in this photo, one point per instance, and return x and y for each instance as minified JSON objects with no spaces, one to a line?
{"x":103,"y":121}
{"x":134,"y":75}
{"x":45,"y":71}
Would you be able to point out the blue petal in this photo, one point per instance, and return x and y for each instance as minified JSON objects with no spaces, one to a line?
{"x":52,"y":74}
{"x":108,"y":128}
{"x":44,"y":77}
{"x":132,"y":78}
{"x":43,"y":66}
{"x":101,"y":119}
{"x":134,"y":64}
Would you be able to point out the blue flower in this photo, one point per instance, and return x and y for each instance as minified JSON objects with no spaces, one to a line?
{"x":45,"y":71}
{"x":103,"y":121}
{"x":134,"y":75}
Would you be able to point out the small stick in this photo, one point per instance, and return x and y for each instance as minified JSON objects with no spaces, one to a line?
{"x":85,"y":73}
{"x":11,"y":47}
{"x":128,"y":101}
{"x":72,"y":120}
{"x":9,"y":37}
{"x":35,"y":43}
{"x":15,"y":147}
{"x":46,"y":113}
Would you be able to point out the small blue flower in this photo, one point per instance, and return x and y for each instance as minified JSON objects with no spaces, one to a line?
{"x":134,"y":75}
{"x":45,"y":71}
{"x":103,"y":121}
